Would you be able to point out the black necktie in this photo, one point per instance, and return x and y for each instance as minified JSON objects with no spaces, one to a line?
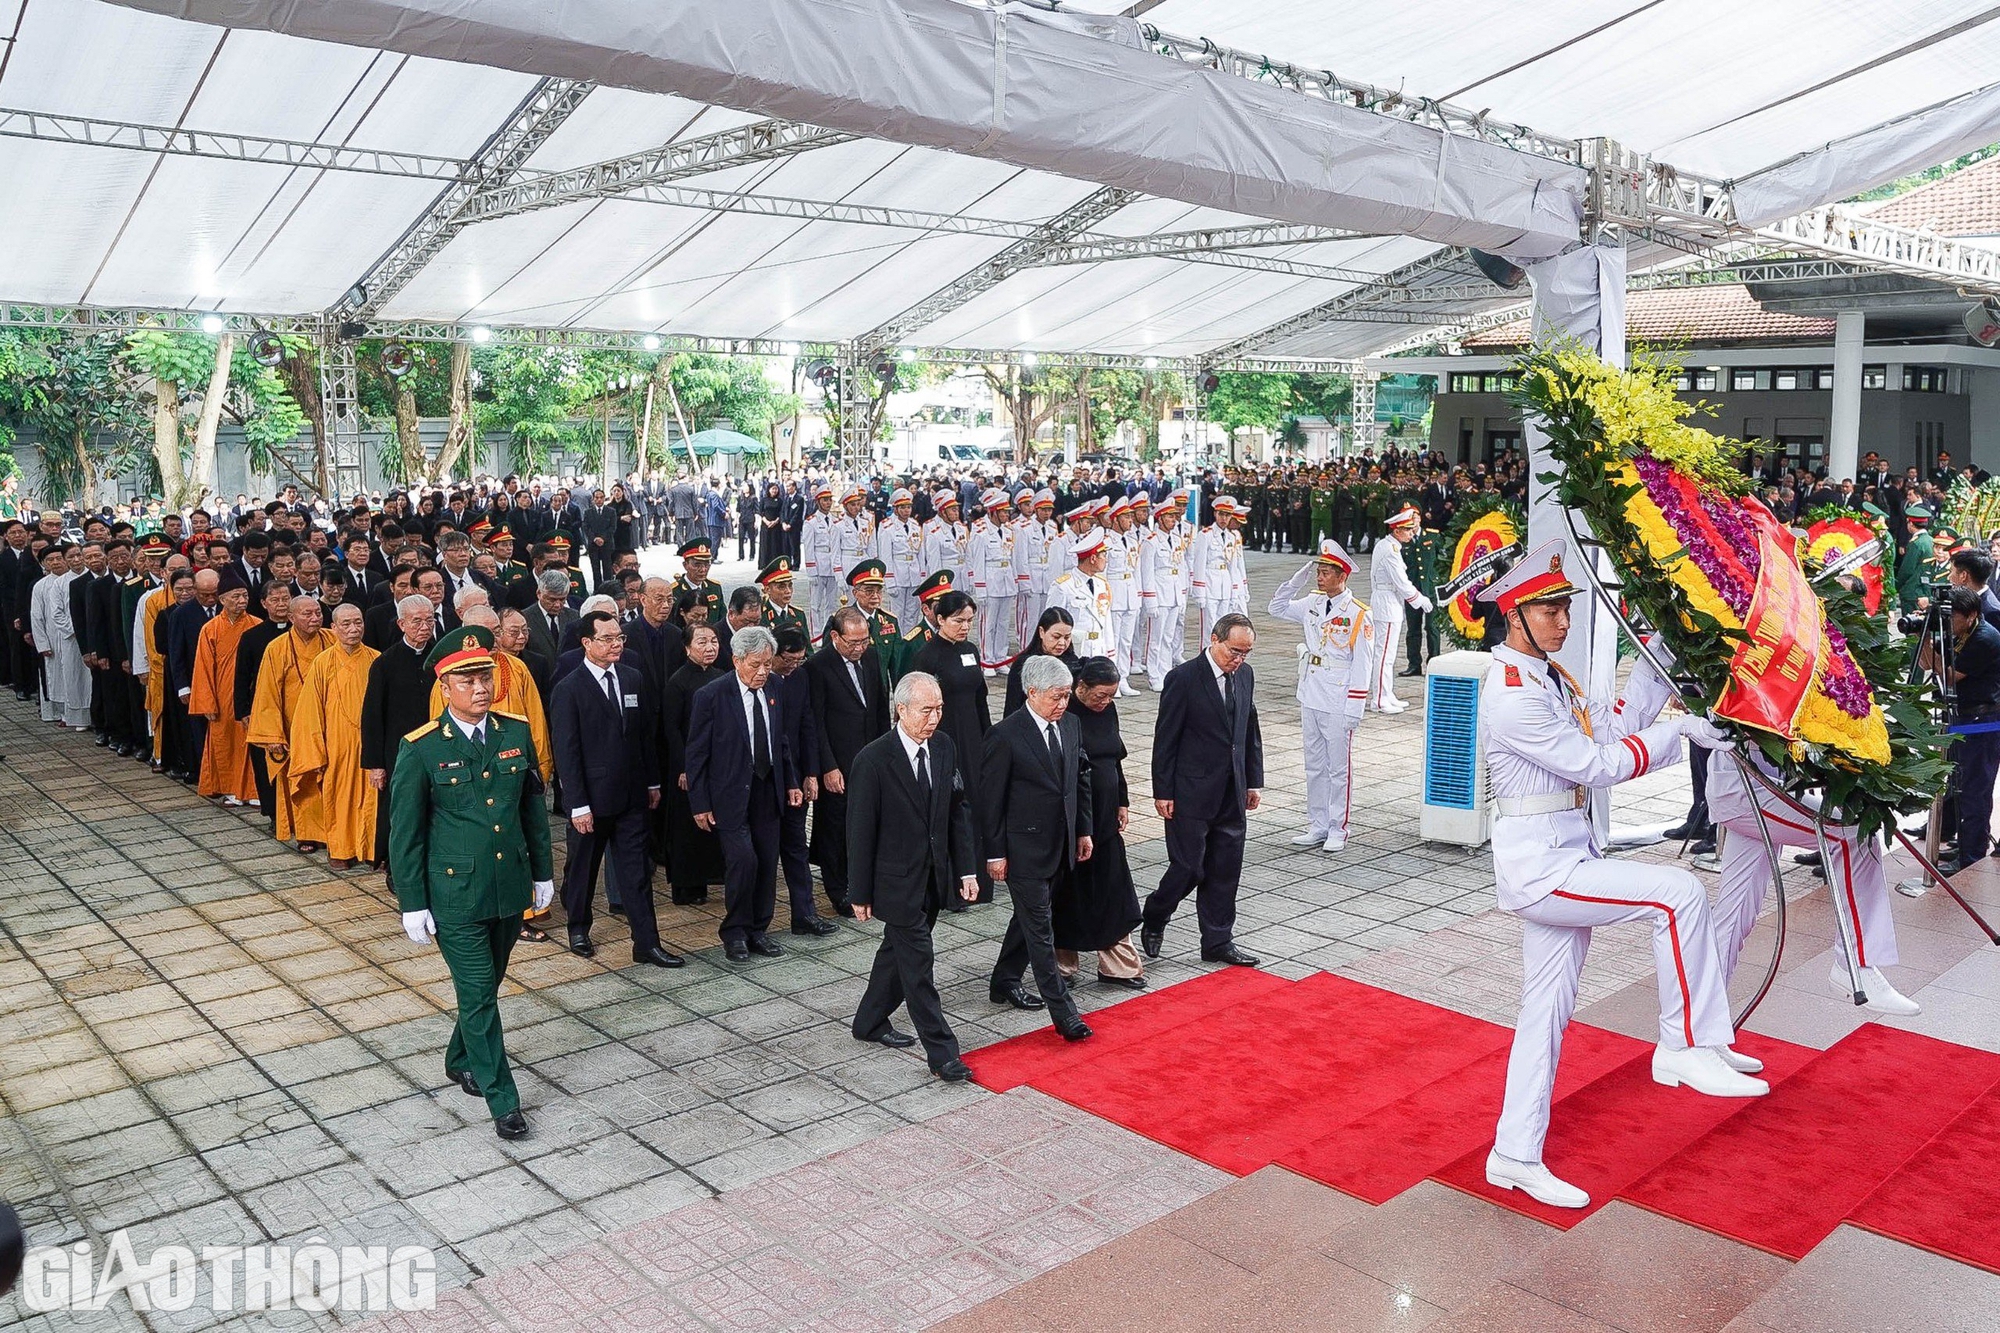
{"x":1055,"y":746}
{"x":611,"y":693}
{"x":1229,"y":694}
{"x":760,"y":738}
{"x":854,"y":670}
{"x":924,"y":771}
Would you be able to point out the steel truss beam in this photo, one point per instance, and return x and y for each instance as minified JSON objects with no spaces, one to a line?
{"x":1098,"y":251}
{"x":538,"y":116}
{"x":80,"y":130}
{"x":820,"y":210}
{"x":621,"y":176}
{"x":1359,"y":304}
{"x":1025,"y":253}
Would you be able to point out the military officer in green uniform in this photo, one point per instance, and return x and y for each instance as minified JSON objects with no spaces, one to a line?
{"x":913,"y":641}
{"x":468,"y":852}
{"x":1420,"y":561}
{"x":779,"y":613}
{"x":1913,"y":567}
{"x":500,"y":545}
{"x":578,"y":589}
{"x":695,"y":558}
{"x":864,"y":583}
{"x":1322,"y":498}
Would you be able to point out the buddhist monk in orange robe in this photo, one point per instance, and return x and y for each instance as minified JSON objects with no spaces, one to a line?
{"x":325,"y":758}
{"x":281,"y":677}
{"x":225,"y":760}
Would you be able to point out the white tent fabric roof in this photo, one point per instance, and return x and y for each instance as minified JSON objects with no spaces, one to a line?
{"x":1692,"y":82}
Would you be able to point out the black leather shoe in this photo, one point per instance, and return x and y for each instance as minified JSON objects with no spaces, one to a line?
{"x":1230,"y":954}
{"x":766,"y":947}
{"x":1017,"y":996}
{"x":467,"y":1084}
{"x":735,"y":951}
{"x":1806,"y":859}
{"x":1072,"y":1027}
{"x":1706,"y":847}
{"x":1149,"y":939}
{"x":580,"y":945}
{"x":1129,"y":983}
{"x":816,"y":926}
{"x":953,"y":1071}
{"x":842,"y":907}
{"x":891,"y":1038}
{"x":513,"y":1125}
{"x":1679,"y":833}
{"x":658,"y":957}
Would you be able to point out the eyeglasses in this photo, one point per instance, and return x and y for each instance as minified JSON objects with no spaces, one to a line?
{"x":607,"y":638}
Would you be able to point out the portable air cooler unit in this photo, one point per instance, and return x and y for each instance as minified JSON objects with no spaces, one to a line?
{"x":1455,"y":804}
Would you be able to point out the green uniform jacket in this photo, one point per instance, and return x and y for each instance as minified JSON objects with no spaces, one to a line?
{"x":709,"y":593}
{"x":1913,"y":571}
{"x":775,"y":620}
{"x":468,"y":834}
{"x":907,"y":649}
{"x":1420,"y":561}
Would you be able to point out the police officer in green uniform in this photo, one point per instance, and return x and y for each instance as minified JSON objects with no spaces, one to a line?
{"x":864,"y":582}
{"x":779,"y":611}
{"x":913,"y":641}
{"x":695,"y":557}
{"x":468,"y":851}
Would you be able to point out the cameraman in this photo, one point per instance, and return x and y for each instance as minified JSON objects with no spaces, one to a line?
{"x":1974,"y":569}
{"x":1972,"y":671}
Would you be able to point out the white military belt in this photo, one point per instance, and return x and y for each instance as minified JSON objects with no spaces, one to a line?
{"x":1543,"y":803}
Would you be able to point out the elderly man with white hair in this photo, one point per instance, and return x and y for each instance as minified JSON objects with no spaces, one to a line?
{"x":909,"y":845}
{"x":1035,"y":794}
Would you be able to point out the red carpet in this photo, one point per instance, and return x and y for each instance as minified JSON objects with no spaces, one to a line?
{"x":1788,"y":1169}
{"x":1942,"y":1199}
{"x":1608,"y":1133}
{"x":1370,"y":1092}
{"x":1040,"y":1055}
{"x":1379,"y":1154}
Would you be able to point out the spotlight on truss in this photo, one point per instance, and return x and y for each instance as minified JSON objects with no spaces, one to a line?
{"x":211,"y":324}
{"x":823,"y":373}
{"x":350,"y":330}
{"x":267,"y":348}
{"x":1503,"y":273}
{"x":885,"y":369}
{"x":397,"y":359}
{"x":356,"y":297}
{"x":651,"y":342}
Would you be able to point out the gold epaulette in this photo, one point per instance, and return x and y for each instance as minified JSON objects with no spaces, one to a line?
{"x":914,"y":633}
{"x":518,"y":717}
{"x":421,"y":732}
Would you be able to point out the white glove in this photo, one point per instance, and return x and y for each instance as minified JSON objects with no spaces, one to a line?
{"x":1423,"y":602}
{"x":545,"y":893}
{"x":419,"y":926}
{"x":1700,"y":731}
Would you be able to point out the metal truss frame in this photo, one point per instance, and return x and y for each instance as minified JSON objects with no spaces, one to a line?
{"x":132,"y":137}
{"x":620,"y":176}
{"x":1351,"y":305}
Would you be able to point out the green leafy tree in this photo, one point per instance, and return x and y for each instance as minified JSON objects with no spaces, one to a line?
{"x":75,"y":393}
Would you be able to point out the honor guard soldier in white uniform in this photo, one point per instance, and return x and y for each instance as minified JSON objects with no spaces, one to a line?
{"x":990,"y":563}
{"x":1032,"y":533}
{"x":1333,"y":686}
{"x":1163,"y":588}
{"x":1390,"y":590}
{"x":1547,"y":745}
{"x":1062,"y":551}
{"x":1216,"y":580}
{"x":1121,"y":572}
{"x":818,"y":560}
{"x":853,"y":538}
{"x":899,"y":545}
{"x":944,"y":539}
{"x":1087,"y":597}
{"x":1854,"y":877}
{"x":1135,"y":542}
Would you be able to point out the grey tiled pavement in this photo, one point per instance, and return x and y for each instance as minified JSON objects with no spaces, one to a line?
{"x":212,"y":1039}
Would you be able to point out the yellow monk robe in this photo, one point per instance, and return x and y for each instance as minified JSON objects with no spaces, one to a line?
{"x":280,"y":678}
{"x":225,"y":757}
{"x":156,"y":663}
{"x":326,"y":750}
{"x":515,"y":694}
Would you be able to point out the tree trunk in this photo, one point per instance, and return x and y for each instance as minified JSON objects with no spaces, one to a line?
{"x":167,"y":440}
{"x":409,"y":437}
{"x":459,"y":434}
{"x":201,"y":480}
{"x":86,"y":469}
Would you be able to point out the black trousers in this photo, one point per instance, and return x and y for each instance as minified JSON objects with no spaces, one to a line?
{"x":904,"y":975}
{"x":750,"y":867}
{"x":830,"y":836}
{"x":602,"y":558}
{"x":623,"y":838}
{"x":1697,"y":821}
{"x":1976,"y":761}
{"x":121,"y":723}
{"x":792,"y":856}
{"x":100,"y":701}
{"x":1205,"y":859}
{"x":1031,"y":942}
{"x":267,"y":797}
{"x":197,"y":746}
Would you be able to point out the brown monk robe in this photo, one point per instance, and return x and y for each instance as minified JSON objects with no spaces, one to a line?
{"x":281,"y":679}
{"x":326,"y":741}
{"x":225,"y":759}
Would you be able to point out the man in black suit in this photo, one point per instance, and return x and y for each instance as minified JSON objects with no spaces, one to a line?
{"x":845,"y":683}
{"x":396,"y":702}
{"x":792,"y":697}
{"x":909,"y":837}
{"x":1036,"y":794}
{"x":1208,"y":767}
{"x":381,"y":623}
{"x":741,"y":777}
{"x":249,"y":562}
{"x":551,"y":615}
{"x":653,"y":642}
{"x":601,"y":727}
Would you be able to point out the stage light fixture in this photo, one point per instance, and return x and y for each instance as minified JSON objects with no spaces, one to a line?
{"x":397,"y":359}
{"x":651,"y":342}
{"x":352,"y":330}
{"x":267,"y":348}
{"x":885,"y":370}
{"x":357,"y":296}
{"x":482,"y":335}
{"x":1209,"y":383}
{"x":908,"y":354}
{"x":1152,"y":363}
{"x":1503,"y":273}
{"x":211,"y":324}
{"x":1030,"y":360}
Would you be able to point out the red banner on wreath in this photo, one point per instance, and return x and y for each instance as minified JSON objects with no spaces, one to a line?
{"x":1774,"y":668}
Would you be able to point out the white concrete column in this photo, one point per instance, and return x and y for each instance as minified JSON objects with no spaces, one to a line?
{"x":1843,"y":437}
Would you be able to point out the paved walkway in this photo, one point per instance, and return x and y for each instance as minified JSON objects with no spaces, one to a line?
{"x":212,"y":1040}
